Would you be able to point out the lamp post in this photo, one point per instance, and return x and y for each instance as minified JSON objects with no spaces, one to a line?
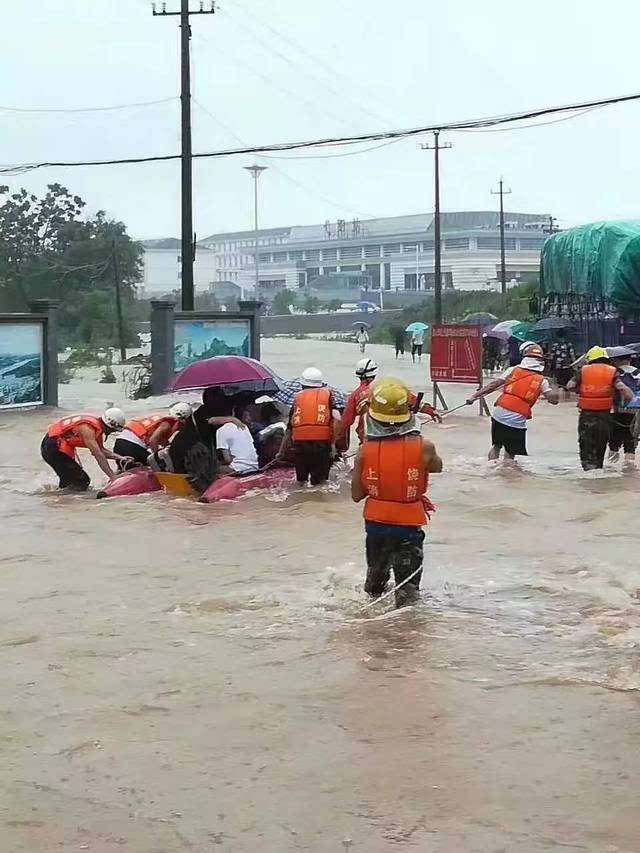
{"x":255,"y":172}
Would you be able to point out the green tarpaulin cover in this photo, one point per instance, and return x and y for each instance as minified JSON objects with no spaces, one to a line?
{"x":601,"y":260}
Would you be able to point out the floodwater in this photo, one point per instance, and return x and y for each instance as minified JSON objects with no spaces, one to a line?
{"x":181,"y":677}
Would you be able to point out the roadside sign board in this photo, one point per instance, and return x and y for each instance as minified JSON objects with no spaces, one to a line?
{"x":456,"y":353}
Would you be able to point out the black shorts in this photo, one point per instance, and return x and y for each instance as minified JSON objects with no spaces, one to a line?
{"x":513,"y":440}
{"x":312,"y":460}
{"x":70,"y":474}
{"x":394,"y":550}
{"x":620,"y":433}
{"x":416,"y":349}
{"x":123,"y":447}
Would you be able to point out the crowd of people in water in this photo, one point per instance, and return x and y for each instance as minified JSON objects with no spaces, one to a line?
{"x":241,"y":434}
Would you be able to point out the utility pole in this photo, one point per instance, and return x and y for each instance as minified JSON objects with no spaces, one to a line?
{"x":436,"y":225}
{"x":187,"y":154}
{"x":116,"y":281}
{"x":552,"y":229}
{"x":255,"y":171}
{"x":503,"y":264}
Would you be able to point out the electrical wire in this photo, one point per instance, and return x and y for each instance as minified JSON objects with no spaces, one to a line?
{"x":306,"y":53}
{"x":87,"y":109}
{"x":464,"y":124}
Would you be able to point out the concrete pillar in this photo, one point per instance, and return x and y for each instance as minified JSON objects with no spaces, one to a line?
{"x":251,"y":306}
{"x":49,"y":308}
{"x":162,"y":344}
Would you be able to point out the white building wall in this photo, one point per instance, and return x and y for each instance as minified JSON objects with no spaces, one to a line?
{"x":162,"y":271}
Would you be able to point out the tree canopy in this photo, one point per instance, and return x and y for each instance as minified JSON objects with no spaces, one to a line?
{"x":50,"y":249}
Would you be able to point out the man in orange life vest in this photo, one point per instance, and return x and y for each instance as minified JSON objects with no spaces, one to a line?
{"x":146,"y":435}
{"x":391,"y":472}
{"x":599,"y":381}
{"x":523,"y":386}
{"x":313,"y":423}
{"x":358,"y":402}
{"x":63,"y":438}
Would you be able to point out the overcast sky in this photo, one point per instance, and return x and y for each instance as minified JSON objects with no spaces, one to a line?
{"x":276,"y":70}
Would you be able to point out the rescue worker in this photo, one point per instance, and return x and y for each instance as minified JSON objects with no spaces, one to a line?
{"x":366,"y":370}
{"x":313,"y":424}
{"x":522,"y":385}
{"x":596,"y":386}
{"x":391,"y":472}
{"x":142,"y":436}
{"x":64,"y":437}
{"x":621,"y":434}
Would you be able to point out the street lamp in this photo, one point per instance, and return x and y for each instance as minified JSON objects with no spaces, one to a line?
{"x":256,"y":171}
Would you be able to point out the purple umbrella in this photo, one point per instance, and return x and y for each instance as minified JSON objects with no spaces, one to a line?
{"x":232,"y":373}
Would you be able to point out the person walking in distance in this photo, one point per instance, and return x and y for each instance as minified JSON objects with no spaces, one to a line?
{"x":362,"y":338}
{"x":417,"y":342}
{"x":597,"y":385}
{"x":391,"y":473}
{"x":522,"y":386}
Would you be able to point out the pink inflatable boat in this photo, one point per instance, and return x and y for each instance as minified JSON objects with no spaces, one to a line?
{"x":138,"y":482}
{"x":144,"y":481}
{"x":231,"y":488}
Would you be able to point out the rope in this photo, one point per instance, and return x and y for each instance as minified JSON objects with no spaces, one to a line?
{"x":391,"y":591}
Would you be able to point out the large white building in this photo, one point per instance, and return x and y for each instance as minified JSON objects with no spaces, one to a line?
{"x":395,"y":253}
{"x":162,"y":268}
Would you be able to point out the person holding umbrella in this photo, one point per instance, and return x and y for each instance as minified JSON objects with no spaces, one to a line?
{"x":417,"y":331}
{"x":523,"y":386}
{"x":362,"y":338}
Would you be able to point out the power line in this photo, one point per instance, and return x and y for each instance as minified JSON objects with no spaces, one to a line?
{"x":464,"y":124}
{"x":299,"y":69}
{"x":87,"y":109}
{"x":305,"y":52}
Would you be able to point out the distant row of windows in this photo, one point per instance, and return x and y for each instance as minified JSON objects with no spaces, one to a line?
{"x":234,"y":245}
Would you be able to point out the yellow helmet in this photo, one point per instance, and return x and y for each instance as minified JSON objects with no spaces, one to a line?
{"x":597,"y":352}
{"x":389,"y":401}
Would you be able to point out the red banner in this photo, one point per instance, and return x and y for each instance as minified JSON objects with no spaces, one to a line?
{"x":456,"y":354}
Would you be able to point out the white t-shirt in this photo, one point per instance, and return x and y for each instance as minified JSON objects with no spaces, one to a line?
{"x":418,"y":338}
{"x":240,"y":445}
{"x":131,"y":436}
{"x":514,"y":419}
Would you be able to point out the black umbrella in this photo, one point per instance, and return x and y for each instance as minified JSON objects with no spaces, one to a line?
{"x":548,"y":323}
{"x":360,"y":323}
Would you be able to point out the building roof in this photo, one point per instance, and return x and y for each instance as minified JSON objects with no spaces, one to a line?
{"x":162,"y":243}
{"x":390,"y":226}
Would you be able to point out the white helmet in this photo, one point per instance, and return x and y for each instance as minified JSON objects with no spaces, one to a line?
{"x":525,"y":346}
{"x":312,"y":378}
{"x":366,"y":367}
{"x":114,"y":418}
{"x":181,"y":411}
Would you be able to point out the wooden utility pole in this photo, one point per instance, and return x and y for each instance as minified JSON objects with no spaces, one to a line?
{"x":437,"y":242}
{"x":503,"y":264}
{"x":116,"y":281}
{"x":188,"y":246}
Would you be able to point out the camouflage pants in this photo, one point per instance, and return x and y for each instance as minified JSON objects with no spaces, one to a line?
{"x":400,"y":553}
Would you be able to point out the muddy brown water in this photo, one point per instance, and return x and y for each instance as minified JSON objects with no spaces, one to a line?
{"x":187,"y":677}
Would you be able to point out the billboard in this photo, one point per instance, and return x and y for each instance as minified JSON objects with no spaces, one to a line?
{"x":456,"y":353}
{"x":21,"y":364}
{"x":198,"y":339}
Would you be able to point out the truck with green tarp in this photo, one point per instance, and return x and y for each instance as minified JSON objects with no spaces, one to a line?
{"x":597,"y":262}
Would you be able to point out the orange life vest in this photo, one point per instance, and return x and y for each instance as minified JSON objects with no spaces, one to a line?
{"x":68,"y":439}
{"x":521,"y":391}
{"x":311,"y":420}
{"x":597,"y":389}
{"x":395,"y":479}
{"x":145,"y":427}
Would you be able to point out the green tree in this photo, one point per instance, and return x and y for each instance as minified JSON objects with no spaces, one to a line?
{"x":282,"y":300}
{"x":47,"y":249}
{"x":311,"y":304}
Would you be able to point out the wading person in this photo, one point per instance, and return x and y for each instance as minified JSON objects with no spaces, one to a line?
{"x":399,"y":337}
{"x":366,"y":370}
{"x":143,"y":436}
{"x":313,"y":424}
{"x":621,"y":435}
{"x":391,"y":472}
{"x":522,"y":386}
{"x":65,"y":437}
{"x":235,"y":446}
{"x":417,"y":342}
{"x":596,"y":385}
{"x":362,"y":339}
